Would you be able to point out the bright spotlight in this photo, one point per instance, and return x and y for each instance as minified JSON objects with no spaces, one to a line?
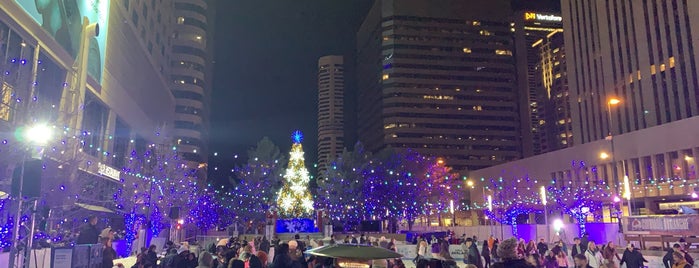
{"x":39,"y":134}
{"x":557,"y":225}
{"x":603,"y":155}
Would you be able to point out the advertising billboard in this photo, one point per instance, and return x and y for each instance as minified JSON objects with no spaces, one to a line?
{"x":62,"y":19}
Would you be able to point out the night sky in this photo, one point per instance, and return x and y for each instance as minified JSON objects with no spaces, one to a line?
{"x":265,"y":70}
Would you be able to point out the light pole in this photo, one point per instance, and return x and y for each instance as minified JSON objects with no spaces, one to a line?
{"x":610,"y":103}
{"x":37,"y":135}
{"x":544,"y":202}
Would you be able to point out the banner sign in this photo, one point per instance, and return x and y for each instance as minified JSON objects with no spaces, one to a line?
{"x":63,"y":20}
{"x":664,"y":225}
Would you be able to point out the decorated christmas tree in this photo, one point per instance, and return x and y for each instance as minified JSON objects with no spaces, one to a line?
{"x":294,"y":199}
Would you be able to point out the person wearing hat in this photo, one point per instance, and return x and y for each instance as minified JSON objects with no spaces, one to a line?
{"x":507,"y":252}
{"x":108,"y":253}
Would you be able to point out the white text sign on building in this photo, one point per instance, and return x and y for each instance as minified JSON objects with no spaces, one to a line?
{"x":108,"y":171}
{"x":542,"y":17}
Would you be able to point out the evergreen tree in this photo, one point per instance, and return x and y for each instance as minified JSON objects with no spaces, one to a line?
{"x":294,"y":199}
{"x":342,"y":186}
{"x":257,"y":182}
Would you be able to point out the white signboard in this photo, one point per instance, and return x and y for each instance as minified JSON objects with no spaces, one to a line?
{"x":108,"y":171}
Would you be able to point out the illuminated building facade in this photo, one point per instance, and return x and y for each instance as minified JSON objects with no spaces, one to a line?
{"x":192,"y":63}
{"x":116,"y":103}
{"x":632,"y":73}
{"x":640,"y":52}
{"x":530,"y":29}
{"x":439,"y":78}
{"x":556,"y":121}
{"x":331,"y":87}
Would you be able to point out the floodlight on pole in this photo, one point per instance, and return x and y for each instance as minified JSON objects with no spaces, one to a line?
{"x":543,"y":195}
{"x":39,"y":134}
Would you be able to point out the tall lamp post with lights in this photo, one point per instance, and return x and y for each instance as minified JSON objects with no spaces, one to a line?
{"x":544,"y":202}
{"x":626,"y":193}
{"x":35,"y":136}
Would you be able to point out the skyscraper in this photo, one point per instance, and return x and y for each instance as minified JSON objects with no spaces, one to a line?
{"x":639,"y":52}
{"x":331,"y":86}
{"x":529,"y":29}
{"x":439,"y":77}
{"x":555,"y":126}
{"x":191,"y":76}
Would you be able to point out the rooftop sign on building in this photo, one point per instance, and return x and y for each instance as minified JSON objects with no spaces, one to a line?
{"x":529,"y":16}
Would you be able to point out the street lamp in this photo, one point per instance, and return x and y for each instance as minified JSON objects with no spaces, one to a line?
{"x":610,"y":102}
{"x":544,"y":202}
{"x":37,"y":135}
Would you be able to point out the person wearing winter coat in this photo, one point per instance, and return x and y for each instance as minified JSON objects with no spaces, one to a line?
{"x":472,"y":255}
{"x":594,"y":257}
{"x":668,"y":258}
{"x":507,"y":251}
{"x":680,"y":261}
{"x":205,"y":260}
{"x":485,"y":252}
{"x":632,"y":257}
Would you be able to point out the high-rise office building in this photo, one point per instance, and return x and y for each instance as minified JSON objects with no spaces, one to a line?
{"x":331,"y":87}
{"x":639,"y":52}
{"x":192,"y":51}
{"x":555,"y":125}
{"x":529,"y":28}
{"x":439,"y":77}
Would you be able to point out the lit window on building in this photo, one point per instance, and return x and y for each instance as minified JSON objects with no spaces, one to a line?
{"x":389,"y":126}
{"x":662,"y":67}
{"x":504,"y":52}
{"x":478,"y":108}
{"x":671,"y":62}
{"x":476,"y":23}
{"x":385,"y":77}
{"x":5,"y":101}
{"x":467,"y":50}
{"x":652,"y":69}
{"x":180,"y":20}
{"x":485,"y":33}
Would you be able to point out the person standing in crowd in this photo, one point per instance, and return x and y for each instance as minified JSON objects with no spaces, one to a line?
{"x":108,"y":253}
{"x":205,"y":260}
{"x":485,"y":252}
{"x":581,"y":261}
{"x":521,"y":248}
{"x":264,"y":244}
{"x":632,"y":257}
{"x":531,"y":248}
{"x":88,"y":233}
{"x":550,"y":260}
{"x":594,"y":257}
{"x":609,"y":254}
{"x":542,"y":247}
{"x":679,"y":261}
{"x":584,"y":241}
{"x":561,"y":257}
{"x":494,"y":251}
{"x":577,"y":248}
{"x":151,"y":258}
{"x":507,"y":251}
{"x":471,"y":253}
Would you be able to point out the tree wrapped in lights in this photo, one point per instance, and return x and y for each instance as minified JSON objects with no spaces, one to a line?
{"x":341,"y":188}
{"x":392,"y":186}
{"x":205,"y":213}
{"x":294,"y":199}
{"x":442,"y":185}
{"x":580,"y":201}
{"x":256,"y":183}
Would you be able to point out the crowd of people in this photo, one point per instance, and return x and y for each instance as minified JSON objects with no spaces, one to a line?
{"x":513,"y":253}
